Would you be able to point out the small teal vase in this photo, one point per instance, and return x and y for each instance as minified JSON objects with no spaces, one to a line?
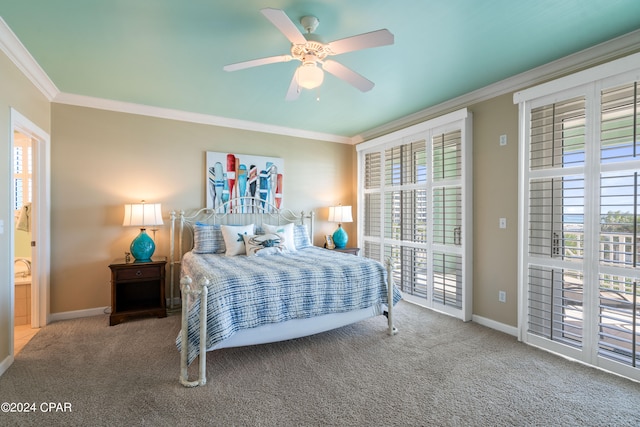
{"x":142,"y":247}
{"x":340,"y":237}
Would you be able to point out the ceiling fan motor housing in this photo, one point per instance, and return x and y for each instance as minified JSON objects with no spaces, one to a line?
{"x":313,"y":48}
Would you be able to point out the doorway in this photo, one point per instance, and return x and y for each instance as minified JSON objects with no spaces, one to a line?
{"x":30,"y":202}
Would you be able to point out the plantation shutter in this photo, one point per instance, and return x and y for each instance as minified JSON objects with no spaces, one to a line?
{"x":23,"y":171}
{"x":580,"y":161}
{"x":372,"y":211}
{"x":416,"y":210}
{"x":619,"y":233}
{"x":556,"y":221}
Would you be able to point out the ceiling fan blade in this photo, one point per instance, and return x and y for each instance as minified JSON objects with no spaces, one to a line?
{"x":257,"y":62}
{"x":294,"y":90}
{"x":348,"y":75}
{"x":362,"y":41}
{"x":284,"y":24}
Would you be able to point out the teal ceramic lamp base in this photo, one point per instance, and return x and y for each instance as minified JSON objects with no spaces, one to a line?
{"x":142,"y":247}
{"x":340,"y":237}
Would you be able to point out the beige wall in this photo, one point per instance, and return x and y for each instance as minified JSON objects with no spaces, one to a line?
{"x":495,"y":195}
{"x":18,"y":93}
{"x":101,"y":160}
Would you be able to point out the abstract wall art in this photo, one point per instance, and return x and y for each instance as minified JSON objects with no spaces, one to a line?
{"x":230,"y":176}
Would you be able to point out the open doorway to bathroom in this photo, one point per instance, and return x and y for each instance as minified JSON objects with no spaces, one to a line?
{"x":31,"y":206}
{"x":23,"y":260}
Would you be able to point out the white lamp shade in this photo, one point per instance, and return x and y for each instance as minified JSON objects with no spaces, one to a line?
{"x":340,"y":214}
{"x":309,"y":76}
{"x":142,"y":214}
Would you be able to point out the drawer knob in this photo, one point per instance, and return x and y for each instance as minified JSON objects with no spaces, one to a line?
{"x":138,"y":273}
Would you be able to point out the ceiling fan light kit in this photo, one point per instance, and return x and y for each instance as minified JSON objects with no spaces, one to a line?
{"x":309,"y":76}
{"x":311,"y":51}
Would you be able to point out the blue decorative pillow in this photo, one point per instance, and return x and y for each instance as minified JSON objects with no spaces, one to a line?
{"x":301,"y":236}
{"x":207,"y":239}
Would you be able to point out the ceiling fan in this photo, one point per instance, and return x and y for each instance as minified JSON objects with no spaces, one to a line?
{"x":312,"y":52}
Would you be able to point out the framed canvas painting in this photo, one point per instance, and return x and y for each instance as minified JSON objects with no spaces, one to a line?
{"x":230,"y":176}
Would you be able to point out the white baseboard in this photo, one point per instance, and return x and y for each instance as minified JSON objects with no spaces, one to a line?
{"x":4,"y":365}
{"x":507,"y":329}
{"x":66,"y":315}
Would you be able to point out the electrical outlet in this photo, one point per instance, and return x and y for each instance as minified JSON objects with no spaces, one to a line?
{"x":503,"y":140}
{"x":503,"y":223}
{"x":502,"y":296}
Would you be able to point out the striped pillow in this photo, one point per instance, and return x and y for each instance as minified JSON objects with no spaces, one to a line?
{"x":301,"y":236}
{"x":207,"y":239}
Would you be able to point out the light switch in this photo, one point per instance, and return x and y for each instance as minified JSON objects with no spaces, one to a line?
{"x":1,"y":226}
{"x":503,"y":222}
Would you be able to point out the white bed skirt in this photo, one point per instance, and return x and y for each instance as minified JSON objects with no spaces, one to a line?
{"x":296,"y":328}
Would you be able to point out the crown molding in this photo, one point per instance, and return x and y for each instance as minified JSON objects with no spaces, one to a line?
{"x":604,"y":52}
{"x":185,"y":116}
{"x":20,"y":56}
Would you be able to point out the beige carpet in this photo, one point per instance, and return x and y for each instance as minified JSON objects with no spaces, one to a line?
{"x":436,"y":371}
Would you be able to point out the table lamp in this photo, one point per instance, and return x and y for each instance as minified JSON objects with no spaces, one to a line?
{"x":142,"y":215}
{"x":340,"y":214}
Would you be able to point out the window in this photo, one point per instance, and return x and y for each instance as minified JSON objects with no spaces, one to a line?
{"x":23,"y":170}
{"x":415,"y":210}
{"x":580,"y":152}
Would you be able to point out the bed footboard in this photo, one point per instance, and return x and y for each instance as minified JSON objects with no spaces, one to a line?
{"x":199,"y":291}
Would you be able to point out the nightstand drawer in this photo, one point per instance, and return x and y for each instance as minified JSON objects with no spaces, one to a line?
{"x":142,"y":272}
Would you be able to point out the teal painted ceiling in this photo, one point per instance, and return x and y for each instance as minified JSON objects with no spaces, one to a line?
{"x":171,"y":53}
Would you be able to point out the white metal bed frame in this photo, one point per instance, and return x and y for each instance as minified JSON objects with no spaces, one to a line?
{"x":236,"y":211}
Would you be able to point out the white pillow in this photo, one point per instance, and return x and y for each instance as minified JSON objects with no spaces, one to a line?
{"x":233,"y":238}
{"x":263,"y":244}
{"x":286,"y":231}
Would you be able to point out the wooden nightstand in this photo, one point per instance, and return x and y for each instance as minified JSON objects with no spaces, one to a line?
{"x":352,"y":251}
{"x":137,"y":289}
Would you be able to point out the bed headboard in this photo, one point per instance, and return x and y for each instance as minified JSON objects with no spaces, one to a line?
{"x":238,"y":211}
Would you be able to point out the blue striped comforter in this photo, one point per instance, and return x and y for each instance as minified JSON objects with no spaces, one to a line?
{"x":249,"y":291}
